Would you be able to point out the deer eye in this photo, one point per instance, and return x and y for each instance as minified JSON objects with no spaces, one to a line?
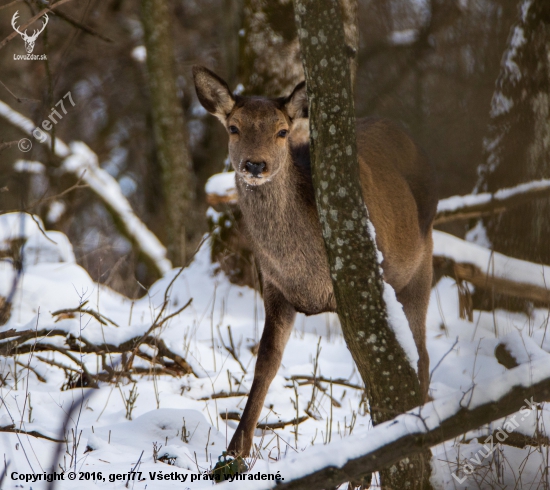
{"x":282,"y":133}
{"x":233,"y":129}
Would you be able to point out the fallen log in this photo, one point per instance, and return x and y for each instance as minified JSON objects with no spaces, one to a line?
{"x":490,"y":270}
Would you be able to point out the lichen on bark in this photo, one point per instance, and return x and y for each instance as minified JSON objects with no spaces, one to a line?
{"x":392,"y":384}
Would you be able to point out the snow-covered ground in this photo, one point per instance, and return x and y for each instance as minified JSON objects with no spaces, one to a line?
{"x":177,"y":420}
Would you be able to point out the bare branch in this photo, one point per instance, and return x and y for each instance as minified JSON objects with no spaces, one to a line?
{"x":83,"y":27}
{"x":266,"y":425}
{"x":34,"y":433}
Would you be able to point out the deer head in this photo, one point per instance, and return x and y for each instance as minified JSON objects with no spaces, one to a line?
{"x":29,"y":40}
{"x":258,"y":127}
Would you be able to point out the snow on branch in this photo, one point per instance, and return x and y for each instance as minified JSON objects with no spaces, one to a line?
{"x":423,"y":427}
{"x":491,"y":270}
{"x":476,"y":205}
{"x":405,"y":37}
{"x":83,"y":163}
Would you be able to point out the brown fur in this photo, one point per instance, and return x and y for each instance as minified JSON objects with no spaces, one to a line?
{"x":279,"y":211}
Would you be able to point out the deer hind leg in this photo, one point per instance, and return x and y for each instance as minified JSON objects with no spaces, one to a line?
{"x":415,"y":297}
{"x":279,"y":320}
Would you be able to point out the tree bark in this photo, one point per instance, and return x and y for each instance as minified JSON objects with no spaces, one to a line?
{"x":358,"y":290}
{"x":517,"y":148}
{"x":168,"y":123}
{"x":270,"y":61}
{"x":270,"y":52}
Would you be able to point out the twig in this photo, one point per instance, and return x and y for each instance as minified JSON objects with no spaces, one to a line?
{"x":134,"y":468}
{"x":34,"y":433}
{"x":18,"y":99}
{"x":68,"y":417}
{"x":224,"y":394}
{"x":75,"y":186}
{"x":337,"y":381}
{"x":316,"y":383}
{"x":231,"y":348}
{"x":441,"y":360}
{"x":28,"y":366}
{"x":7,"y":144}
{"x":3,"y":7}
{"x":157,"y":323}
{"x":267,"y":425}
{"x":87,"y":29}
{"x":98,"y":316}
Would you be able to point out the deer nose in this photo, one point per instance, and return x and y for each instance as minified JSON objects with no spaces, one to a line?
{"x":255,"y":168}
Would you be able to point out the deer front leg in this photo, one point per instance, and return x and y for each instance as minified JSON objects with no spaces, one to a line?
{"x":279,"y":319}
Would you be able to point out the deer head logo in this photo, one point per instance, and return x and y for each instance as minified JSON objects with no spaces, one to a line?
{"x":29,"y":40}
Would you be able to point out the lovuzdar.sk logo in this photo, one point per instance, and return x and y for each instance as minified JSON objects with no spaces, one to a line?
{"x":29,"y":39}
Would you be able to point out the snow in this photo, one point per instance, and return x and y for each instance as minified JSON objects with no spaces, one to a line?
{"x":179,"y":415}
{"x":27,"y":126}
{"x":498,"y":265}
{"x":49,"y":247}
{"x":15,"y":226}
{"x":413,"y":422}
{"x":400,"y":326}
{"x":397,"y":320}
{"x":457,"y":203}
{"x":139,"y":53}
{"x":83,"y":162}
{"x":478,"y":235}
{"x":500,"y":104}
{"x":55,"y":211}
{"x":518,"y":40}
{"x":221,"y":184}
{"x":403,"y":38}
{"x":29,"y":167}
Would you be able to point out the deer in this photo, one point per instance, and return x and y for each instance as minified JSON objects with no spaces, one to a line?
{"x":271,"y":160}
{"x":29,"y":40}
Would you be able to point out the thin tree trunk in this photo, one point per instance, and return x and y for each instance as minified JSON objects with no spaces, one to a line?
{"x":517,"y":148}
{"x":358,"y":290}
{"x":270,"y":52}
{"x":168,"y":123}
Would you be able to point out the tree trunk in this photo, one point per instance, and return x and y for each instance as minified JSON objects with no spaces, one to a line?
{"x":270,"y":52}
{"x":358,"y":290}
{"x":517,"y":148}
{"x":168,"y":123}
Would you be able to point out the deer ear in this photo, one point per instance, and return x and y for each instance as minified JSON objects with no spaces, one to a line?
{"x":296,"y":103}
{"x":213,"y":93}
